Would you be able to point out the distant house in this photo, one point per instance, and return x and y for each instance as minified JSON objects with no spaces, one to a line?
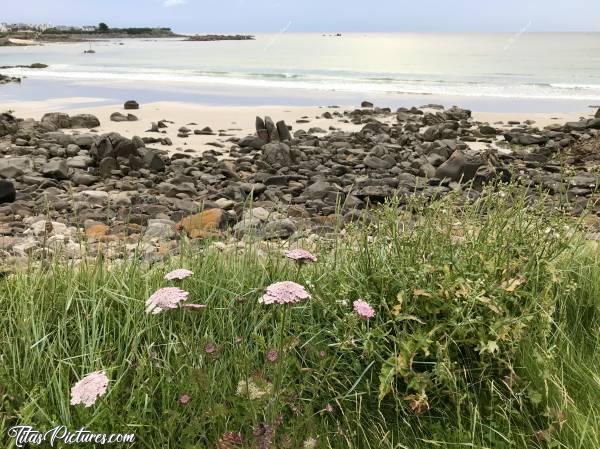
{"x":89,"y":29}
{"x":3,"y":27}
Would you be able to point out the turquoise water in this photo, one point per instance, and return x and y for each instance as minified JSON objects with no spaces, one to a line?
{"x":545,"y":67}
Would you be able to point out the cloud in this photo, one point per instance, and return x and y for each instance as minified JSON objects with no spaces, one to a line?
{"x":169,"y":3}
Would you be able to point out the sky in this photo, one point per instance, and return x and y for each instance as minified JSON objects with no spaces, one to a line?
{"x":230,"y":16}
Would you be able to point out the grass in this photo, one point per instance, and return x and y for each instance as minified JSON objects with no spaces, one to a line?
{"x":485,"y":336}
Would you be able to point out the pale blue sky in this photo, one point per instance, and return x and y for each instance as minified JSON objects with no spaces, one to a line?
{"x":315,"y":15}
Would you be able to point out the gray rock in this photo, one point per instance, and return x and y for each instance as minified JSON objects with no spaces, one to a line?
{"x":131,"y":104}
{"x":57,"y":120}
{"x":160,"y":228}
{"x":283,"y":131}
{"x":84,"y":179}
{"x":102,"y":149}
{"x":279,"y":229}
{"x":13,"y":167}
{"x":152,"y":161}
{"x":277,"y":154}
{"x":84,"y":121}
{"x":106,"y":166}
{"x":453,"y":167}
{"x":56,"y":168}
{"x":377,"y":163}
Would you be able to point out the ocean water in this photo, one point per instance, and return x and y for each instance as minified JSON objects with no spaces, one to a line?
{"x":551,"y":68}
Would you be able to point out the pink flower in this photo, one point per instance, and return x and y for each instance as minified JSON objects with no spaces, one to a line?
{"x":286,"y":292}
{"x":88,"y":389}
{"x":363,"y":309}
{"x":184,"y":399}
{"x":164,"y":299}
{"x":301,"y":255}
{"x":178,"y":274}
{"x":272,"y":356}
{"x":210,"y":348}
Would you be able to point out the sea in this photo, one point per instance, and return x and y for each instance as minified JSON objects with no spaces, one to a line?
{"x":530,"y":72}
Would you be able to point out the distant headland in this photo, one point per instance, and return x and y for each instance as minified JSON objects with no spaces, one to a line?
{"x":33,"y":34}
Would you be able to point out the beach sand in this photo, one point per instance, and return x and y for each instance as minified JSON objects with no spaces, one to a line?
{"x":238,"y":121}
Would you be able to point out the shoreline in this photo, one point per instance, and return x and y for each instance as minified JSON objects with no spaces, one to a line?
{"x":232,"y":121}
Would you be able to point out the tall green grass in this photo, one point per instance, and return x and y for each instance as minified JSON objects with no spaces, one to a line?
{"x":486,"y":324}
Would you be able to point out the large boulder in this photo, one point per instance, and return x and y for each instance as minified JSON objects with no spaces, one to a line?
{"x":453,"y":168}
{"x":84,"y":121}
{"x":277,"y":154}
{"x":7,"y":192}
{"x":57,"y":120}
{"x":597,"y":113}
{"x":13,"y":167}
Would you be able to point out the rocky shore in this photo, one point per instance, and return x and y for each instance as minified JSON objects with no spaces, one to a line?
{"x":67,"y":189}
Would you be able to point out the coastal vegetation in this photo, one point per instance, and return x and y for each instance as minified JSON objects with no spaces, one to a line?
{"x":474,"y":325}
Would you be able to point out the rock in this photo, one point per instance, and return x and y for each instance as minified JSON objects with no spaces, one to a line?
{"x":377,"y":163}
{"x":487,"y":130}
{"x":277,"y":154}
{"x":106,"y":166}
{"x":13,"y":167}
{"x":271,"y":130}
{"x":84,"y":121}
{"x":283,"y":131}
{"x":93,"y":197}
{"x":597,"y":113}
{"x":366,"y":104}
{"x":453,"y":167}
{"x":56,"y":168}
{"x":118,"y":117}
{"x":7,"y":192}
{"x":84,"y":179}
{"x":102,"y":149}
{"x":131,"y":104}
{"x":57,"y":120}
{"x":253,"y":142}
{"x":260,"y":125}
{"x":8,"y":124}
{"x":152,"y":161}
{"x":161,"y":229}
{"x":525,"y":139}
{"x":279,"y":229}
{"x":204,"y":224}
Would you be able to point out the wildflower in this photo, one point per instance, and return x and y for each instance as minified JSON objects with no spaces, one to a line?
{"x":184,"y":399}
{"x":418,"y":403}
{"x":210,"y":348}
{"x":164,"y":299}
{"x":272,"y":356}
{"x":229,"y":440}
{"x":252,"y":390}
{"x":284,"y":293}
{"x":309,"y":443}
{"x":329,"y":408}
{"x":300,"y":256}
{"x":363,"y":309}
{"x":178,"y":274}
{"x":88,"y":389}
